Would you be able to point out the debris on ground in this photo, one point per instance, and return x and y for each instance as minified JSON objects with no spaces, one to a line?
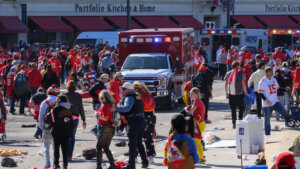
{"x":210,"y":138}
{"x":7,"y":152}
{"x":121,"y":144}
{"x":8,"y":162}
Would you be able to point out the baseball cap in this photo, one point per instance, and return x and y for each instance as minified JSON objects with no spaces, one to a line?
{"x":128,"y":85}
{"x":53,"y":90}
{"x":104,"y":76}
{"x":285,"y":159}
{"x":118,"y":74}
{"x":268,"y":69}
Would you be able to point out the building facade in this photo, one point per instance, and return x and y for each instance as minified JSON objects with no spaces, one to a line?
{"x":61,"y":20}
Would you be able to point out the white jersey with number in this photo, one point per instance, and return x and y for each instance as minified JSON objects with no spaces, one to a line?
{"x":269,"y":89}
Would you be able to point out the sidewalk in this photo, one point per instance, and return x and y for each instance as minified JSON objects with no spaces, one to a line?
{"x":217,"y":158}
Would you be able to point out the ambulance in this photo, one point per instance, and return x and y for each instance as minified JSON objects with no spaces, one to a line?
{"x":283,"y":38}
{"x":253,"y":39}
{"x":161,"y":58}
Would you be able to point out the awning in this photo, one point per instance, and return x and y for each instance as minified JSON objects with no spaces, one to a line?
{"x":189,"y":22}
{"x":278,"y":22}
{"x":156,"y":21}
{"x":12,"y":24}
{"x":248,"y":22}
{"x":89,"y":23}
{"x":297,"y":17}
{"x":121,"y":21}
{"x":51,"y":24}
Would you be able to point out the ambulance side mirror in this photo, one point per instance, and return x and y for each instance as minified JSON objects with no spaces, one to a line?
{"x":180,"y":68}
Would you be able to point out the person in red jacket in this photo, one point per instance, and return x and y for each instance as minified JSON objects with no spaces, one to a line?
{"x":10,"y":88}
{"x":150,"y":118}
{"x":115,"y":85}
{"x":247,"y":71}
{"x":35,"y":79}
{"x":55,"y":63}
{"x":73,"y":60}
{"x":3,"y":57}
{"x":279,"y":54}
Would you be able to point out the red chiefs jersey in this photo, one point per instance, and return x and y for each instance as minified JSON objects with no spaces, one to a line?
{"x":10,"y":84}
{"x":198,"y":59}
{"x":55,"y":63}
{"x":230,"y":57}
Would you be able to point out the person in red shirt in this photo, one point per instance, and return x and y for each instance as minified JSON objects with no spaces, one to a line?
{"x":279,"y":54}
{"x":35,"y":79}
{"x":197,"y":110}
{"x":198,"y":60}
{"x":297,"y":84}
{"x":106,"y":128}
{"x":115,"y":85}
{"x":295,"y":53}
{"x":230,"y":55}
{"x":150,"y":118}
{"x":55,"y":63}
{"x":10,"y":88}
{"x":40,"y":60}
{"x":3,"y":57}
{"x":247,"y":72}
{"x":73,"y":61}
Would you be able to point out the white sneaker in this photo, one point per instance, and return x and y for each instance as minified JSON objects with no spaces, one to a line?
{"x":151,"y":160}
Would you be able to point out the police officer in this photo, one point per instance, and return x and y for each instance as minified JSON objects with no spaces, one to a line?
{"x":133,"y":108}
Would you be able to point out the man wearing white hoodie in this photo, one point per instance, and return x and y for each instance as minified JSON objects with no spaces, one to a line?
{"x":50,"y":101}
{"x":254,"y":80}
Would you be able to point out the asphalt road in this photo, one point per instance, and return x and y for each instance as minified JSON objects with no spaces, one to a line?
{"x":22,"y":138}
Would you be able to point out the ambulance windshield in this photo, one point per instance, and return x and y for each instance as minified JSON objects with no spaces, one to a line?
{"x":85,"y":42}
{"x":148,"y":62}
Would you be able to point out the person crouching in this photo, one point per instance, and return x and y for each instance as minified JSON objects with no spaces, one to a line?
{"x":106,"y":128}
{"x":62,"y":128}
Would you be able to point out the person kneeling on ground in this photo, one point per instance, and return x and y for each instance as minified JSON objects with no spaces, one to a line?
{"x":180,"y":145}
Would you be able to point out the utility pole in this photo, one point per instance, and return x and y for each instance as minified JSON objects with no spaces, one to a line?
{"x":128,"y":14}
{"x":228,"y":13}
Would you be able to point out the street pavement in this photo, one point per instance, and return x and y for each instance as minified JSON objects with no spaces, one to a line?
{"x":217,"y":158}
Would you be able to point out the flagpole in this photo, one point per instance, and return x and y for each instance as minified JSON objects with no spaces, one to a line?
{"x":228,"y":13}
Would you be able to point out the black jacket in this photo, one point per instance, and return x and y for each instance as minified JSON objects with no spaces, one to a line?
{"x":47,"y":81}
{"x":75,"y":100}
{"x":62,"y":121}
{"x":95,"y":90}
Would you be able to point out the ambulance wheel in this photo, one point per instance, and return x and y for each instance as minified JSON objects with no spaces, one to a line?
{"x":291,"y":123}
{"x":297,"y":123}
{"x":3,"y":138}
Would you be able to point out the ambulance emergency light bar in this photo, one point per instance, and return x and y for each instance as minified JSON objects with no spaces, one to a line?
{"x":222,"y":31}
{"x":283,"y":31}
{"x":150,"y":38}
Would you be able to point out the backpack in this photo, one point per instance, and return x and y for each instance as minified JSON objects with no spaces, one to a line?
{"x":21,"y":84}
{"x":178,"y":155}
{"x":68,"y":65}
{"x":47,"y":116}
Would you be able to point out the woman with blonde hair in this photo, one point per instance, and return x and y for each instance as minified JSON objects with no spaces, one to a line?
{"x":106,"y":128}
{"x":150,"y":118}
{"x":198,"y":112}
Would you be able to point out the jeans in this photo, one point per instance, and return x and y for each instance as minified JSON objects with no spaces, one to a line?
{"x":47,"y":137}
{"x":150,"y":120}
{"x":135,"y":135}
{"x":33,"y":91}
{"x":281,"y":100}
{"x":267,"y":115}
{"x":63,"y":142}
{"x":23,"y":100}
{"x":12,"y":105}
{"x":222,"y":70}
{"x":71,"y":140}
{"x":228,"y":68}
{"x":106,"y":134}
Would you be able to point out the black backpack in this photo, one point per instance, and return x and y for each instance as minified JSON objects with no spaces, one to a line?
{"x":68,"y":65}
{"x":21,"y":84}
{"x":47,"y":116}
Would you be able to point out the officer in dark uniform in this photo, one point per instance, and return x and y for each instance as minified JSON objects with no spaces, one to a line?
{"x":133,"y":109}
